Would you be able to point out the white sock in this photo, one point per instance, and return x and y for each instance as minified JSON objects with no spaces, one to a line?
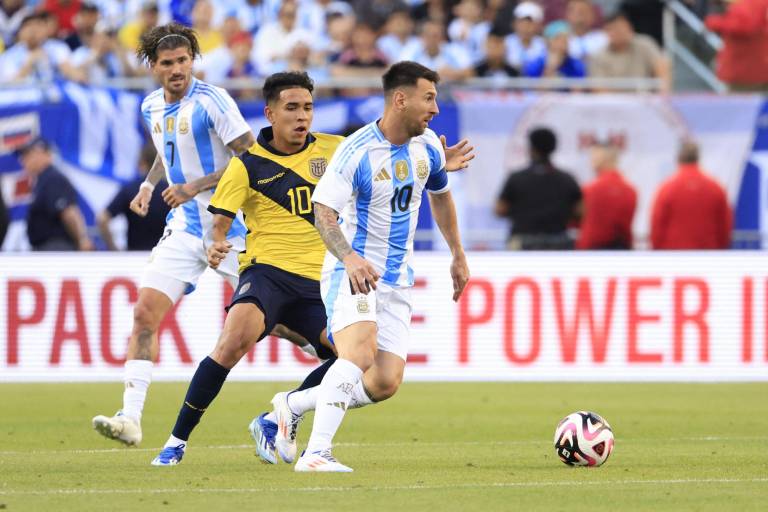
{"x":301,"y":402}
{"x":174,"y":442}
{"x":332,"y":401}
{"x":360,"y":396}
{"x":138,"y":375}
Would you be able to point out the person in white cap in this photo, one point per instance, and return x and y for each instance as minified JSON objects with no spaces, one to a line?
{"x":525,"y":44}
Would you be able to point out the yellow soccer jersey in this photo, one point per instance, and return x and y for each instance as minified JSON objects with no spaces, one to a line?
{"x":273,"y":190}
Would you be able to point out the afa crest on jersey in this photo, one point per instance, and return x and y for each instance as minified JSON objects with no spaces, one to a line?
{"x":422,"y":171}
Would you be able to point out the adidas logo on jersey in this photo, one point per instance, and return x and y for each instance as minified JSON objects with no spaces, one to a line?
{"x":382,"y":175}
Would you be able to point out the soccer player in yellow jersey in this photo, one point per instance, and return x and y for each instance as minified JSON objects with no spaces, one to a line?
{"x":272,"y":184}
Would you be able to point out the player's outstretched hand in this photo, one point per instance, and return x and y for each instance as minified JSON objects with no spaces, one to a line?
{"x":217,"y":251}
{"x":457,"y":157}
{"x":176,"y":195}
{"x":459,"y":274}
{"x":140,"y":203}
{"x":362,"y":275}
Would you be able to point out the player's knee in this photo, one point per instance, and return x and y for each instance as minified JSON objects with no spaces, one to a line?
{"x":384,"y":387}
{"x":144,"y":317}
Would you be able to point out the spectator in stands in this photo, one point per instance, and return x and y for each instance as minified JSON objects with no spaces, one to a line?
{"x":448,"y":59}
{"x":525,"y":44}
{"x":363,"y":58}
{"x":275,"y":40}
{"x":540,"y":200}
{"x":143,"y":232}
{"x":253,"y":14}
{"x":302,"y":58}
{"x":104,"y":58}
{"x":495,"y":63}
{"x":340,"y":29}
{"x":208,"y":37}
{"x":148,"y":18}
{"x":85,"y":22}
{"x":12,"y":12}
{"x":54,"y":220}
{"x":629,"y":55}
{"x":63,"y":12}
{"x":377,"y":12}
{"x":609,"y":204}
{"x":398,"y":35}
{"x":469,"y":29}
{"x":240,"y":47}
{"x":35,"y":55}
{"x":584,"y":41}
{"x":743,"y":61}
{"x":556,"y":61}
{"x":691,"y":210}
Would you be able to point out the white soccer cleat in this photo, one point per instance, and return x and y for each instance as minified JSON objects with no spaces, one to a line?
{"x":119,"y":427}
{"x":287,"y":427}
{"x":320,"y":462}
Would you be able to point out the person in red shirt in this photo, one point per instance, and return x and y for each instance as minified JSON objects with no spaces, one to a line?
{"x":743,"y":61}
{"x":609,"y":204}
{"x":691,"y":209}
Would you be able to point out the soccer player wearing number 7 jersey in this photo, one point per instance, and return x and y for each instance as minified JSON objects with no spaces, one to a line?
{"x":374,"y":185}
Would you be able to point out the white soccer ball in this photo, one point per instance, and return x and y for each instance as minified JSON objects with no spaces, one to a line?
{"x":583,"y":438}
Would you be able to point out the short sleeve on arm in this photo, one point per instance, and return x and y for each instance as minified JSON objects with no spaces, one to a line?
{"x":232,"y":190}
{"x":228,"y":122}
{"x":60,"y":194}
{"x":339,"y":182}
{"x":437,"y":183}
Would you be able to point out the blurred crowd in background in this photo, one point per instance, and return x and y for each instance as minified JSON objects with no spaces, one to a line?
{"x":93,"y":41}
{"x":90,"y":41}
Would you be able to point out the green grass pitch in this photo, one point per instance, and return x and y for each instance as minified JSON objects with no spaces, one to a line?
{"x":434,"y":447}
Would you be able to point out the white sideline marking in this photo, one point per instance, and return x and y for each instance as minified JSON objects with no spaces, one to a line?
{"x":384,"y":488}
{"x":367,"y":445}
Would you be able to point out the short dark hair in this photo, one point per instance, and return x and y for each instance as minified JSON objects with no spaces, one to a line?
{"x":166,"y":37}
{"x":35,"y":16}
{"x":543,"y":141}
{"x":405,"y":74}
{"x":275,"y":84}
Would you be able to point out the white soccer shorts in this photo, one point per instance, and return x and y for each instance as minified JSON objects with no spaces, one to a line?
{"x":179,"y":259}
{"x":388,"y":306}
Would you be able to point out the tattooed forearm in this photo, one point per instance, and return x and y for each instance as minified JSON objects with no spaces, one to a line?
{"x":156,"y":172}
{"x":242,"y":143}
{"x":327,"y":224}
{"x":207,"y":182}
{"x":239,"y":145}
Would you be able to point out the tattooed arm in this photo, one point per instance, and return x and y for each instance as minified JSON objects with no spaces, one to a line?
{"x":179,"y":194}
{"x":140,"y":203}
{"x":362,"y":275}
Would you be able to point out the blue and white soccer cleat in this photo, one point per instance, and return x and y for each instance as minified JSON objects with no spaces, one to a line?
{"x":170,"y":456}
{"x":287,"y":427}
{"x":320,"y":462}
{"x":263,"y":432}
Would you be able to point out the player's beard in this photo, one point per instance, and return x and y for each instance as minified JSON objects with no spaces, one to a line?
{"x":415,"y":128}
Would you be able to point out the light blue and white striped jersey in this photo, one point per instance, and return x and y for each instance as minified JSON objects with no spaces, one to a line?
{"x":191,"y":137}
{"x":377,"y":187}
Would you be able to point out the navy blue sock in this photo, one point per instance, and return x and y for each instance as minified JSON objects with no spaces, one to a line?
{"x":205,"y":385}
{"x":316,"y":375}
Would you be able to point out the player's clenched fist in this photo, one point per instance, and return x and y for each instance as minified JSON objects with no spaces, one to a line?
{"x":217,"y":251}
{"x":140,"y":203}
{"x":362,"y":275}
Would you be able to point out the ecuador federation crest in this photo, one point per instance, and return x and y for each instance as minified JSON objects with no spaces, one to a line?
{"x":401,"y":170}
{"x":317,"y":167}
{"x":421,"y":169}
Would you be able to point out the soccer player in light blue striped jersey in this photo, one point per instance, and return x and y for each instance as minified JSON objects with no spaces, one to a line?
{"x":366,"y":208}
{"x":196,"y":128}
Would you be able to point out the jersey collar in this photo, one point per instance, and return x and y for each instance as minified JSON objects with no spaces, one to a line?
{"x":265,"y":135}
